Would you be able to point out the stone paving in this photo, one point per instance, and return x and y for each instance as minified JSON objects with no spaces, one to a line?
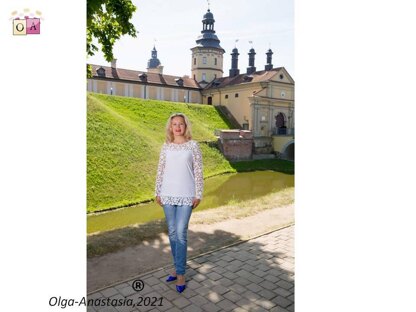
{"x":256,"y":275}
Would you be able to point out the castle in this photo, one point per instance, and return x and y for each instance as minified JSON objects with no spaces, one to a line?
{"x":258,"y":100}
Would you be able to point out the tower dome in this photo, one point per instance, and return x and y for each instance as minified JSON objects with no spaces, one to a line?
{"x":154,"y":65}
{"x":207,"y":55}
{"x":208,"y":38}
{"x":209,"y":16}
{"x":154,"y":61}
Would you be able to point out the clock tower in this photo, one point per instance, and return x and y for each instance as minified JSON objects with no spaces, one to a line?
{"x":207,"y":55}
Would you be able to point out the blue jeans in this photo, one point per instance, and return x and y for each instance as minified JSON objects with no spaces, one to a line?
{"x":177,"y":219}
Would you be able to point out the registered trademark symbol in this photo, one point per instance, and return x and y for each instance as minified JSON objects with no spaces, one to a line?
{"x":138,"y":285}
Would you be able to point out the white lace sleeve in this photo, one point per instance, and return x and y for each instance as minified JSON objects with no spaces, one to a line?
{"x":160,"y":170}
{"x":198,"y":170}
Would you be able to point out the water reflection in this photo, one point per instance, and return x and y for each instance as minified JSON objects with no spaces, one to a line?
{"x":243,"y":186}
{"x":217,"y":191}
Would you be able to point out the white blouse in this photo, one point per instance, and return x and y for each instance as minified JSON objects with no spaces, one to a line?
{"x":179,"y":175}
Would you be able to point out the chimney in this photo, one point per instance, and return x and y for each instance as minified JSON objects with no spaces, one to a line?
{"x":234,"y":71}
{"x":251,"y":68}
{"x":114,"y":63}
{"x":269,"y":65}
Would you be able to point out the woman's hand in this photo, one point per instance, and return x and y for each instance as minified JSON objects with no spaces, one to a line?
{"x":195,"y":202}
{"x":158,"y":200}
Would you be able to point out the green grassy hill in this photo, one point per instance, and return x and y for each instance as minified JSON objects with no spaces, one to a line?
{"x":124,"y":137}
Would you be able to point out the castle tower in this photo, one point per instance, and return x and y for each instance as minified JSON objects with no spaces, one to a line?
{"x":153,"y":65}
{"x":234,"y":71}
{"x":207,"y":55}
{"x":251,"y":68}
{"x":269,"y":65}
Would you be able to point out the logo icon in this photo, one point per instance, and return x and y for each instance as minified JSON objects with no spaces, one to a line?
{"x":26,"y":23}
{"x":138,"y":285}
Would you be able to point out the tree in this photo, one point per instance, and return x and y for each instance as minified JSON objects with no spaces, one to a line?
{"x":107,"y":21}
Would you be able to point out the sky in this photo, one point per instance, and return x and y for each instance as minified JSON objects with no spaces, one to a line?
{"x":173,"y":27}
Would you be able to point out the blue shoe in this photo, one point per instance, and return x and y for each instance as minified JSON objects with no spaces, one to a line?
{"x":180,"y":288}
{"x":171,"y":278}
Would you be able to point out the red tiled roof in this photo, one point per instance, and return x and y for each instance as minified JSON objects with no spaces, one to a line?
{"x":258,"y":76}
{"x":153,"y":78}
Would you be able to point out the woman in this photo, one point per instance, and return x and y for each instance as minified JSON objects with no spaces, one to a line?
{"x":179,"y":185}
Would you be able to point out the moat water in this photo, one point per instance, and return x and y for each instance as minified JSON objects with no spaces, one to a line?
{"x":218,"y":191}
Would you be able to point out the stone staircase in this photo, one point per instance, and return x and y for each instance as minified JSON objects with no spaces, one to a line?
{"x":225,"y":112}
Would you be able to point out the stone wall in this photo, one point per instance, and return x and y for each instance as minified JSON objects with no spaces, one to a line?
{"x":236,"y":144}
{"x":263,"y":145}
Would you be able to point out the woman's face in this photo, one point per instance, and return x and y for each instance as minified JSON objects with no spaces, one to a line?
{"x":178,"y":126}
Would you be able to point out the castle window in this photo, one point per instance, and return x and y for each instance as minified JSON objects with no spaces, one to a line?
{"x":215,"y":61}
{"x":194,"y":60}
{"x":143,"y":77}
{"x":226,"y":96}
{"x":101,"y":72}
{"x":248,"y":77}
{"x":236,"y":95}
{"x":204,"y":60}
{"x":204,"y":77}
{"x":179,"y":81}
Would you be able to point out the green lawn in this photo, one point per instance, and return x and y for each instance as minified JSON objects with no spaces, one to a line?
{"x":124,"y":137}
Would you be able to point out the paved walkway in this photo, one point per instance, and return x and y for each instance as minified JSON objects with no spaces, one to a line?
{"x":256,"y":275}
{"x":152,"y":254}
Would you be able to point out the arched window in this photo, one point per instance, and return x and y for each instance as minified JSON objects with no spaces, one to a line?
{"x":280,"y":123}
{"x":280,"y":120}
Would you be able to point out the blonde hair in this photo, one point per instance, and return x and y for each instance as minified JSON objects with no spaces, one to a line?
{"x":169,"y":133}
